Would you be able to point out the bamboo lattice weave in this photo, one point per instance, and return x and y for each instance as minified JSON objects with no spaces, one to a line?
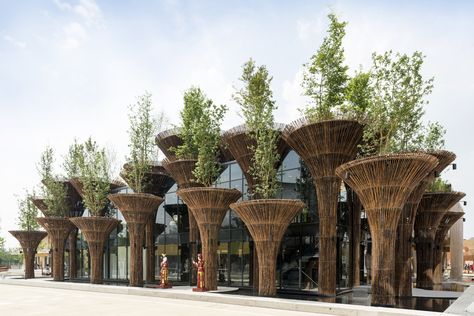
{"x":77,"y":184}
{"x":157,"y":180}
{"x":137,"y":209}
{"x":29,"y":241}
{"x":432,"y":208}
{"x":41,"y":205}
{"x":403,"y":270}
{"x":182,"y":172}
{"x":58,"y":230}
{"x":267,"y":221}
{"x":324,"y":146}
{"x":168,"y":139}
{"x":240,"y":145}
{"x":209,"y":206}
{"x":383,"y":184}
{"x":96,"y":231}
{"x":448,"y":220}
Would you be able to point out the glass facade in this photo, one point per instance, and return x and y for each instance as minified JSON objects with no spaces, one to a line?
{"x":297,"y":262}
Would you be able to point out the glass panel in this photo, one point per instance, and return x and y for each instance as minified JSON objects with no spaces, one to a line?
{"x":235,"y":171}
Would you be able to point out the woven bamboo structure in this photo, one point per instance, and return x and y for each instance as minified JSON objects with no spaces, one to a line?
{"x":267,"y":221}
{"x":41,"y":205}
{"x":383,"y":184}
{"x":445,"y":225}
{"x":239,"y":143}
{"x":157,"y":181}
{"x":355,"y":207}
{"x":58,"y":230}
{"x":77,"y":184}
{"x":29,"y":241}
{"x":166,"y":140}
{"x":151,"y":229}
{"x":403,"y":248}
{"x":209,"y":206}
{"x":96,"y":231}
{"x":431,"y":210}
{"x":136,"y":208}
{"x":324,"y":146}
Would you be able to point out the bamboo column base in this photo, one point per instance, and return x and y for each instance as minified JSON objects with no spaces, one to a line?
{"x":29,"y":241}
{"x":72,"y":254}
{"x":58,"y":230}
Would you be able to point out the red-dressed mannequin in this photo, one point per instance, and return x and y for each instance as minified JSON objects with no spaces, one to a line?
{"x":164,"y":284}
{"x":199,"y":265}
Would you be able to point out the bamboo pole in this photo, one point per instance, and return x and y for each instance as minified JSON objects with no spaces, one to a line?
{"x":383,"y":184}
{"x":29,"y":241}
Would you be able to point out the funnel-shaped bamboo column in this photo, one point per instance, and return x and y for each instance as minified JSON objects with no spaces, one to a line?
{"x":29,"y":241}
{"x":239,"y":143}
{"x":432,"y":208}
{"x":136,"y":208}
{"x":157,"y":181}
{"x":383,"y":184}
{"x":324,"y":146}
{"x":267,"y":221}
{"x":209,"y":206}
{"x":445,"y":225}
{"x":96,"y":231}
{"x":403,"y":270}
{"x":58,"y":230}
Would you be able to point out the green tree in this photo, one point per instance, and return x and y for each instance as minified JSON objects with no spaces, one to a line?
{"x":325,"y":76}
{"x":439,"y":185}
{"x":206,"y":134}
{"x":429,"y":137}
{"x":257,"y":104}
{"x":398,"y":93}
{"x":54,"y":190}
{"x":357,"y":95}
{"x":142,"y":147}
{"x":27,"y":212}
{"x":73,"y":159}
{"x":94,"y":176}
{"x":192,"y":112}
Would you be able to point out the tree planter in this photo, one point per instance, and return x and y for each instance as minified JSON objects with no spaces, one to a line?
{"x":136,"y":208}
{"x":58,"y":230}
{"x":431,"y":210}
{"x":166,"y":140}
{"x":444,"y":226}
{"x":29,"y":241}
{"x":209,"y":206}
{"x":150,"y":229}
{"x":383,"y":184}
{"x":403,"y":270}
{"x":96,"y":231}
{"x":324,"y":146}
{"x":267,"y":221}
{"x":239,"y":143}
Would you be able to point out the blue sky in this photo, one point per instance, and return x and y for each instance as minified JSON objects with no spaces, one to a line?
{"x":70,"y":68}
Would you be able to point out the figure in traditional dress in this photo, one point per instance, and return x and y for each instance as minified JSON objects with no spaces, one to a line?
{"x":199,"y":265}
{"x":164,"y":284}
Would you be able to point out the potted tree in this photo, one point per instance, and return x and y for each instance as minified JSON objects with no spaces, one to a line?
{"x":138,"y":207}
{"x":384,"y":181}
{"x":94,"y":174}
{"x":434,"y":205}
{"x":29,"y":236}
{"x":208,"y":204}
{"x":324,"y":139}
{"x":266,"y":218}
{"x":54,"y":206}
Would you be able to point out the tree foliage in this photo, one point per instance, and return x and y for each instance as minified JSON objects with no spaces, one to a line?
{"x":94,"y":176}
{"x":192,"y":112}
{"x":27,"y":212}
{"x":142,"y":147}
{"x":206,"y":134}
{"x":54,"y":190}
{"x":398,"y":93}
{"x":73,"y":159}
{"x":257,"y":104}
{"x":439,"y":185}
{"x":357,"y":97}
{"x":325,"y":76}
{"x":429,"y":137}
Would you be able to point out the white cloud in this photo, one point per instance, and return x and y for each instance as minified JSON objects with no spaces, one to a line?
{"x":75,"y":35}
{"x":292,"y":95}
{"x":88,"y":10}
{"x":14,"y":41}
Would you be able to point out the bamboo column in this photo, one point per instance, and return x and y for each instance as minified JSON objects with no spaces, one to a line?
{"x":354,"y":250}
{"x":383,"y":184}
{"x":324,"y":146}
{"x":136,"y":208}
{"x":96,"y":231}
{"x":446,"y":223}
{"x":29,"y":241}
{"x":58,"y":230}
{"x":267,"y":221}
{"x":431,"y":210}
{"x":403,"y":270}
{"x":209,"y":206}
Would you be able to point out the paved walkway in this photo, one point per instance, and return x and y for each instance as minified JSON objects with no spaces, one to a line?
{"x":23,"y":300}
